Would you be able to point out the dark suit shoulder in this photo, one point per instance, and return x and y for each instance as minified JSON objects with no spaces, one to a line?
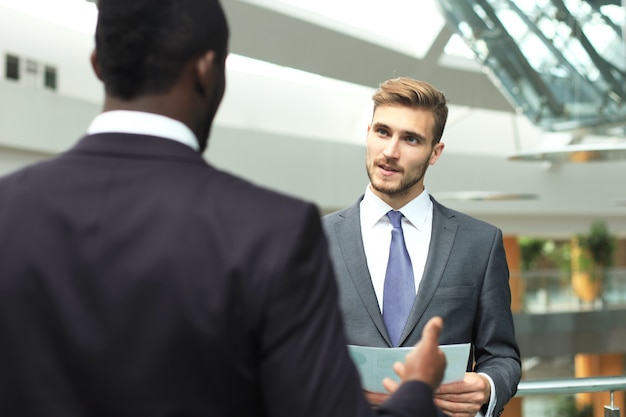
{"x":252,"y":200}
{"x":20,"y":179}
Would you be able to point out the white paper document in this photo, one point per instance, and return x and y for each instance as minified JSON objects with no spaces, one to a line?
{"x":375,"y":364}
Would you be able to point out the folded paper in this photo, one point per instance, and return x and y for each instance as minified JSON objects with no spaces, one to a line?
{"x":375,"y":364}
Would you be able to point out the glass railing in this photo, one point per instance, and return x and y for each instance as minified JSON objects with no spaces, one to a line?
{"x":548,"y":291}
{"x":553,"y":291}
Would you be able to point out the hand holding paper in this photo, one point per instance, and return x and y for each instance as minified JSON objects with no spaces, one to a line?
{"x":376,"y":364}
{"x":426,"y":362}
{"x":467,"y":395}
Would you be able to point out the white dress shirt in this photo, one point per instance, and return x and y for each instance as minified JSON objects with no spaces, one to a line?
{"x":141,"y":123}
{"x":417,"y":225}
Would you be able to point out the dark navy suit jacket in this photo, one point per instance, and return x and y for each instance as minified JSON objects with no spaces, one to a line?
{"x":137,"y":280}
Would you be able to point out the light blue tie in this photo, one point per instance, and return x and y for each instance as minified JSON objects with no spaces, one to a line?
{"x":399,"y":289}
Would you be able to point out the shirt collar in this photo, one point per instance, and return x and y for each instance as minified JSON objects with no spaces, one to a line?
{"x":416,"y":211}
{"x":142,"y":123}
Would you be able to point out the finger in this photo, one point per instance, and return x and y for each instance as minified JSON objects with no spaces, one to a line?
{"x":432,"y":329}
{"x":376,"y":398}
{"x":454,"y":409}
{"x":398,"y":368}
{"x":453,"y":387}
{"x":390,"y":385}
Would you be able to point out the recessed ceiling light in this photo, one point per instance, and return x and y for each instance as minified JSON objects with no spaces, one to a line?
{"x":576,"y":153}
{"x":485,"y":196}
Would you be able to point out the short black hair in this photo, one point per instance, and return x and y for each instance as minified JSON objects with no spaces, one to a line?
{"x":142,"y":45}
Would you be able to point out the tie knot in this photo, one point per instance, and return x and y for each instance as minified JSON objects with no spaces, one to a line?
{"x":395,"y":217}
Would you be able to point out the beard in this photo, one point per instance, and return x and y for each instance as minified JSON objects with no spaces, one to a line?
{"x":408,"y":179}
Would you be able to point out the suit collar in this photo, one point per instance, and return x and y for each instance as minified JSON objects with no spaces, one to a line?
{"x":134,"y":146}
{"x":416,"y":211}
{"x":143,"y":123}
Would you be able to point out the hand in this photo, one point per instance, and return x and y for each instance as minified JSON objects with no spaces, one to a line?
{"x":376,"y":398}
{"x":425,"y":362}
{"x":463,"y":398}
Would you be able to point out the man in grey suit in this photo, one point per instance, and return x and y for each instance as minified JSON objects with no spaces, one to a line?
{"x":457,"y":267}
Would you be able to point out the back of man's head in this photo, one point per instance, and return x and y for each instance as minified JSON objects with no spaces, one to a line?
{"x":142,"y":45}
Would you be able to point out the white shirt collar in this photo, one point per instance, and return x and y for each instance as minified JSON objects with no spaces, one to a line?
{"x":416,"y":211}
{"x":141,"y":123}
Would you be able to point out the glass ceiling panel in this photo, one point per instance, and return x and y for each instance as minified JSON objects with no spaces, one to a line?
{"x":560,"y":62}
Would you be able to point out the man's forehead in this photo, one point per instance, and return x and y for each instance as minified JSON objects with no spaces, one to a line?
{"x":404,"y":117}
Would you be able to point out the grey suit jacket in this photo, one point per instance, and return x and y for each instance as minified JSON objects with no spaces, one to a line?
{"x":465,"y":281}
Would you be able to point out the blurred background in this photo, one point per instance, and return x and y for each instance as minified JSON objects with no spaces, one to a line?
{"x":535,"y":140}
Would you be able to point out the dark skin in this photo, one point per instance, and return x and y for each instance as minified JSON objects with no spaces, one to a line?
{"x":193,"y":99}
{"x":425,"y":362}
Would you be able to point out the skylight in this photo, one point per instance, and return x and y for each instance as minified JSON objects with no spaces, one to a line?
{"x":560,"y":62}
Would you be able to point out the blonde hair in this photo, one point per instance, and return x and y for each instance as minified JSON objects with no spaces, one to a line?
{"x":414,"y":93}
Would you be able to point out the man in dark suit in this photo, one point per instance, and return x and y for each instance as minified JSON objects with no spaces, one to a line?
{"x":456,"y":265}
{"x":137,"y":280}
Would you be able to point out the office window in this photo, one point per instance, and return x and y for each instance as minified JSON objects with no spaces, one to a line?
{"x":30,"y":75}
{"x":50,"y":77}
{"x":12,"y":67}
{"x":31,"y":67}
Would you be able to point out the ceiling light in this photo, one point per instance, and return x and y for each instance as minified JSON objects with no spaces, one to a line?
{"x":485,"y":196}
{"x":575,"y":153}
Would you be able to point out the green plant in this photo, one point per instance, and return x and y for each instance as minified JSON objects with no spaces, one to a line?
{"x":531,"y":250}
{"x":599,"y":243}
{"x":537,"y":253}
{"x":563,"y":258}
{"x":565,"y":406}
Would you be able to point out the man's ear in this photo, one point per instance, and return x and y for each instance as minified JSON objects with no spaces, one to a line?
{"x":205,"y":65}
{"x":436,"y":153}
{"x":95,"y":64}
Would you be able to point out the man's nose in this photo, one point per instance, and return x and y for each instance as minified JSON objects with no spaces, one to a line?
{"x":392,"y":148}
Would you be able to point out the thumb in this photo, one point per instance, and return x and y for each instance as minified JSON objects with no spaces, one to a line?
{"x":431,"y":331}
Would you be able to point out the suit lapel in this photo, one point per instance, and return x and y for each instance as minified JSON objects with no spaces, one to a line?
{"x":441,"y":241}
{"x":351,"y":246}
